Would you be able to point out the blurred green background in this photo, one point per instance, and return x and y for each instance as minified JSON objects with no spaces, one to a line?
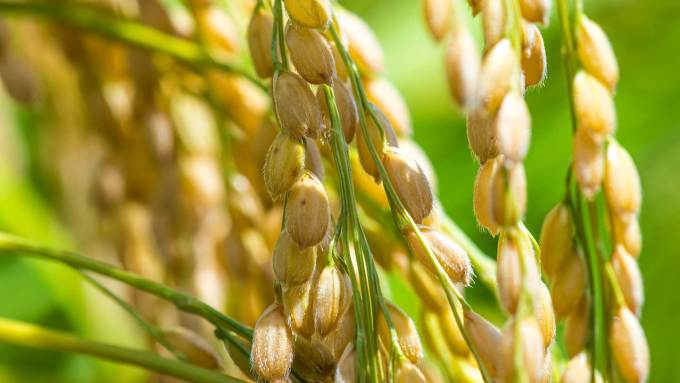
{"x":646,"y":38}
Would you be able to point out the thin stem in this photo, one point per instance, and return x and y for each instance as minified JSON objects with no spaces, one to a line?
{"x":125,"y":31}
{"x":29,"y":335}
{"x":153,"y":332}
{"x":11,"y":245}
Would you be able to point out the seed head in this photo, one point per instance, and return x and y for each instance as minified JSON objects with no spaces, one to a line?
{"x":511,"y":273}
{"x":218,"y":28}
{"x":481,"y":135}
{"x":535,"y":11}
{"x":596,"y":54}
{"x":409,"y":341}
{"x":578,"y":370}
{"x":594,"y":106}
{"x":414,"y":150}
{"x":463,"y":65}
{"x":313,"y":361}
{"x":568,"y":286}
{"x":342,"y":334}
{"x":576,"y":327}
{"x":284,"y":164}
{"x":311,"y":54}
{"x":544,"y":313}
{"x":629,"y":346}
{"x":427,"y":288}
{"x":621,"y":181}
{"x":438,"y":17}
{"x":453,"y":259}
{"x":531,"y":347}
{"x":452,"y":335}
{"x":347,"y":109}
{"x":556,"y":238}
{"x":309,"y":13}
{"x":483,"y":193}
{"x":260,"y":41}
{"x":534,"y":61}
{"x":493,"y":21}
{"x":201,"y":178}
{"x":313,"y":159}
{"x":588,"y":163}
{"x":629,"y":277}
{"x":297,"y":305}
{"x":407,"y":372}
{"x":308,"y":211}
{"x":292,"y":266}
{"x":387,"y":98}
{"x":513,"y":127}
{"x":296,"y":109}
{"x":486,"y":338}
{"x":496,"y":76}
{"x":332,"y":295}
{"x":627,"y":233}
{"x":363,"y":45}
{"x":378,"y":143}
{"x":509,"y":194}
{"x":272,"y":351}
{"x":410,"y":183}
{"x":346,"y":371}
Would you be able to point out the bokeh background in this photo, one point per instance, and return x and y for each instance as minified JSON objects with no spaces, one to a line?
{"x":646,"y":38}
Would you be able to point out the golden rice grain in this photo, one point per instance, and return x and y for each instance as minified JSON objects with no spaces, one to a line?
{"x":310,"y":53}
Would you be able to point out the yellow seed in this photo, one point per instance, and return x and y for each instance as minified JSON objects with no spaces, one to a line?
{"x":272,"y":352}
{"x":596,"y":54}
{"x":493,"y":21}
{"x":594,"y":105}
{"x":568,"y":286}
{"x":308,"y":211}
{"x":544,"y":313}
{"x":629,"y":346}
{"x":310,"y":53}
{"x":409,"y":341}
{"x":430,"y":372}
{"x":432,"y":333}
{"x":578,"y":370}
{"x":534,"y":61}
{"x":621,"y":181}
{"x":260,"y":41}
{"x":496,"y":75}
{"x":533,"y":352}
{"x":486,"y":338}
{"x":407,"y":372}
{"x":374,"y":135}
{"x":438,"y":17}
{"x":313,"y":361}
{"x":481,"y":135}
{"x":387,"y":98}
{"x":513,"y":127}
{"x":347,"y":109}
{"x":535,"y":11}
{"x":362,"y":43}
{"x":246,"y":104}
{"x":556,"y":238}
{"x":452,"y":335}
{"x":482,"y":194}
{"x":627,"y":233}
{"x":629,"y":278}
{"x":453,"y":259}
{"x":509,"y":194}
{"x":309,"y":13}
{"x":576,"y":328}
{"x":410,"y":183}
{"x":19,"y":79}
{"x":297,"y":305}
{"x":340,"y":68}
{"x":201,"y":178}
{"x":588,"y":163}
{"x":463,"y":65}
{"x":342,"y":334}
{"x":313,"y":159}
{"x":414,"y":150}
{"x":296,"y":108}
{"x":291,"y":265}
{"x":197,"y":349}
{"x":284,"y":164}
{"x":427,"y":288}
{"x":219,"y":30}
{"x":346,"y":372}
{"x":332,"y":295}
{"x":515,"y":265}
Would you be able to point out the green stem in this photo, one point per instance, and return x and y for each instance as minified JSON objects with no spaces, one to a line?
{"x":17,"y":246}
{"x":29,"y":335}
{"x":125,"y":31}
{"x":153,"y":332}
